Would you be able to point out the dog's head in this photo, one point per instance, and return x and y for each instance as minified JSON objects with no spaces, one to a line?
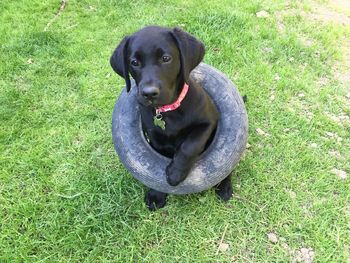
{"x":160,"y":60}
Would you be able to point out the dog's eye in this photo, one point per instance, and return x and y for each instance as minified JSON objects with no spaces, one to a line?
{"x":134,"y":63}
{"x":166,"y":59}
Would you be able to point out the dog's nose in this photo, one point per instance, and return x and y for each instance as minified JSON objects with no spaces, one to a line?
{"x":150,"y":92}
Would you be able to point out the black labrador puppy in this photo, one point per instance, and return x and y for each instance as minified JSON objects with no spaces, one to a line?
{"x":178,"y":116}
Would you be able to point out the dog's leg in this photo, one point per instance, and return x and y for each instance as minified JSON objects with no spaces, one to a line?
{"x":155,"y":199}
{"x":224,"y":189}
{"x":187,"y":153}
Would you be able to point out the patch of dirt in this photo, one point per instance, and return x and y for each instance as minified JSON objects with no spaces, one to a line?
{"x":333,"y":136}
{"x":326,"y":14}
{"x":305,"y":255}
{"x":272,"y":237}
{"x":342,"y":6}
{"x":261,"y":132}
{"x":335,"y":154}
{"x":340,"y":173}
{"x":322,"y":81}
{"x":313,"y":145}
{"x":262,"y":14}
{"x":306,"y":41}
{"x":342,"y":119}
{"x":292,"y":194}
{"x":338,"y":12}
{"x":334,"y":13}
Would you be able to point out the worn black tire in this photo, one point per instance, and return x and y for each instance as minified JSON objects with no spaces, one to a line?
{"x":148,"y":166}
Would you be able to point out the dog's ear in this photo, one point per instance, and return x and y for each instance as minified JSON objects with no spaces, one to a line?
{"x":191,"y":51}
{"x":119,"y":61}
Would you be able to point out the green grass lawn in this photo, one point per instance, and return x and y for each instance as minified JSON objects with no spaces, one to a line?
{"x":64,"y":195}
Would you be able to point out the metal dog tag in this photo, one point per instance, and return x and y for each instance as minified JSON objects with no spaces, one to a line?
{"x":158,"y":121}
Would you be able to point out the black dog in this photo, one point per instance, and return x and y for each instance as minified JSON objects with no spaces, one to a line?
{"x":179,"y":120}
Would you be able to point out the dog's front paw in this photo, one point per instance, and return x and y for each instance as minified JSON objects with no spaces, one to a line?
{"x":174,"y":176}
{"x":155,"y":199}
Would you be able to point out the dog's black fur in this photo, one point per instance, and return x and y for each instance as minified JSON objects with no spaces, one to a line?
{"x":160,"y":60}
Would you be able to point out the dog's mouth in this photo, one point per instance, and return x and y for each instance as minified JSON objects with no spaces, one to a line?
{"x":159,"y":101}
{"x":145,"y":102}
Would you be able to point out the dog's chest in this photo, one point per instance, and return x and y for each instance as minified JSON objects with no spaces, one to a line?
{"x":171,"y":134}
{"x":164,"y":143}
{"x":166,"y":140}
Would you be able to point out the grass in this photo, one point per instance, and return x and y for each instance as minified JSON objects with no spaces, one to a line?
{"x":65,"y":197}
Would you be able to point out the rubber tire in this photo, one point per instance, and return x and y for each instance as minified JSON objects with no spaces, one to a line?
{"x":215,"y":164}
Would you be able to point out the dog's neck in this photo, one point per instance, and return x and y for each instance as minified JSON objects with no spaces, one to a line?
{"x":179,"y":85}
{"x":177,"y":103}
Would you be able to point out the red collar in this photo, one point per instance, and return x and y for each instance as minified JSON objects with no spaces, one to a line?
{"x":176,"y":104}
